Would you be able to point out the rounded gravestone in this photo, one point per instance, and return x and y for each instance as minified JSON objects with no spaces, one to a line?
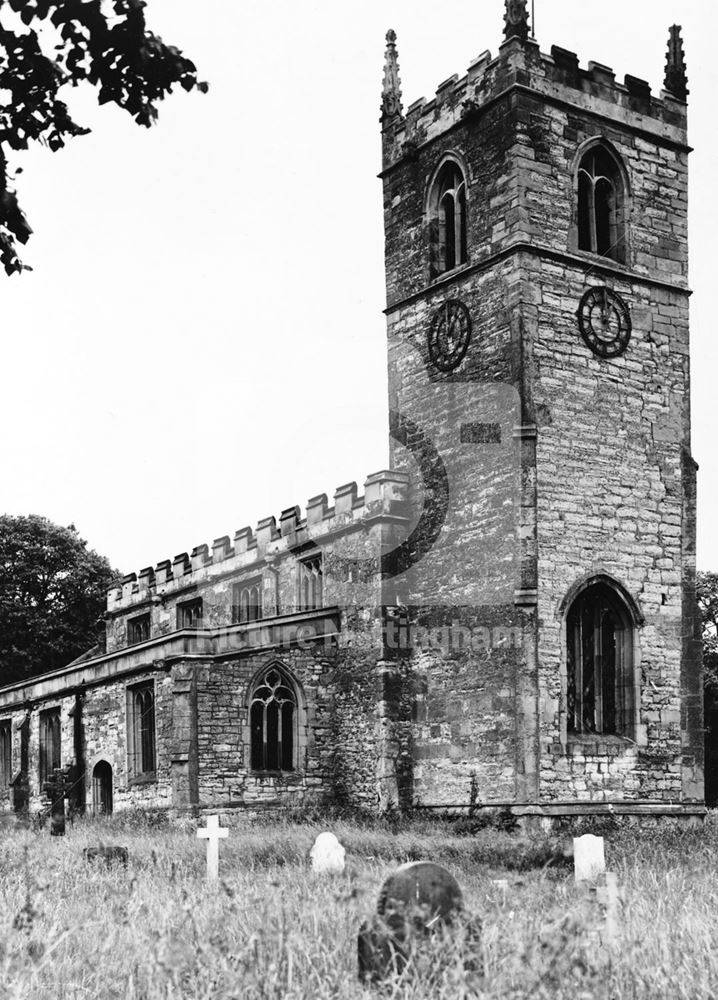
{"x":422,"y":890}
{"x":327,"y":855}
{"x":416,"y":899}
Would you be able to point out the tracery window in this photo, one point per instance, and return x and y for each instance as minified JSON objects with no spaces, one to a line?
{"x":601,"y":204}
{"x":599,"y":663}
{"x":448,"y":219}
{"x":247,"y":601}
{"x":310,"y":584}
{"x":141,"y":729}
{"x":272,"y":720}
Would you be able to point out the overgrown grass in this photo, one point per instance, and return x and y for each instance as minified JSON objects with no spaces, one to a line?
{"x":272,"y":929}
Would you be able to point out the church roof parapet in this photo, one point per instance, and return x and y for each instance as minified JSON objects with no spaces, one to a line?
{"x":558,"y":77}
{"x":384,"y":497}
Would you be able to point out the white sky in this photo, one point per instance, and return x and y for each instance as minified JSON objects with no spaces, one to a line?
{"x":201,"y":343}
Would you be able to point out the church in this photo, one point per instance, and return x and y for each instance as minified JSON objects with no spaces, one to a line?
{"x":506,"y":617}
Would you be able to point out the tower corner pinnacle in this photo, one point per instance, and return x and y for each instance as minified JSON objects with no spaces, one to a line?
{"x":676,"y":82}
{"x":516,"y":20}
{"x":391,"y":106}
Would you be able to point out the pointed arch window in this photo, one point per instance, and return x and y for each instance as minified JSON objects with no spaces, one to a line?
{"x":449,"y":219}
{"x":273,"y":721}
{"x":600,"y":682}
{"x":601,"y":204}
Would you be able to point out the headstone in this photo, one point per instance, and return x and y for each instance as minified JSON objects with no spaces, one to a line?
{"x":502,"y":886}
{"x":588,"y":858}
{"x":610,"y":897}
{"x":56,"y":788}
{"x":417,"y":899}
{"x":107,"y":855}
{"x":213,"y":833}
{"x":327,"y":855}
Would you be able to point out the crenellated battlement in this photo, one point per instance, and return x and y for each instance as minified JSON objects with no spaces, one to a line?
{"x":384,"y":496}
{"x":556,"y":76}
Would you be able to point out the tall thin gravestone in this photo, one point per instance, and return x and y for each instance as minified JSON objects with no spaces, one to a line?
{"x":56,"y":789}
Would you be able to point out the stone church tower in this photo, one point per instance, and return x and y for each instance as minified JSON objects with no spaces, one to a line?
{"x":541,"y":616}
{"x":506,"y":617}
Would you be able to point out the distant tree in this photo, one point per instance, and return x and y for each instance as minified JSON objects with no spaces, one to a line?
{"x":707,"y":591}
{"x":52,"y":594}
{"x":45,"y":44}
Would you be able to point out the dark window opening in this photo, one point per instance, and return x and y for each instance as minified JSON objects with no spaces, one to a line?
{"x":102,"y":789}
{"x":447,"y":226}
{"x":189,"y":615}
{"x":599,"y":675}
{"x":141,"y":725}
{"x":272,"y":720}
{"x":601,"y":205}
{"x":138,"y":629}
{"x":247,"y":602}
{"x":5,"y":754}
{"x":311,"y":584}
{"x":50,"y":744}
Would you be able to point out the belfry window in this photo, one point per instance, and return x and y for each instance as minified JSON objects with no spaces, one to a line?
{"x":272,"y":721}
{"x":599,"y":664}
{"x":601,"y":204}
{"x":448,"y":219}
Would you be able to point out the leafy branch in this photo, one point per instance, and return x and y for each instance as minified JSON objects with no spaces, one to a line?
{"x":52,"y":43}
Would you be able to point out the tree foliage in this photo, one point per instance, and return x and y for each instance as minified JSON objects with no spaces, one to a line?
{"x":56,"y":42}
{"x":52,"y":594}
{"x":707,"y":592}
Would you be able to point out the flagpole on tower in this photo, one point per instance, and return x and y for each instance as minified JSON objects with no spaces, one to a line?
{"x":533,"y":20}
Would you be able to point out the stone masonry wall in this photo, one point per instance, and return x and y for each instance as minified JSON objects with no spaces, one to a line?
{"x":104,"y":710}
{"x":609,"y":458}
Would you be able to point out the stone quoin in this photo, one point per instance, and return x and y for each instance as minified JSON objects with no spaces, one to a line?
{"x":506,"y":618}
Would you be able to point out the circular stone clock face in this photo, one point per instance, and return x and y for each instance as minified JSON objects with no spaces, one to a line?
{"x":605,"y":322}
{"x":450,"y":335}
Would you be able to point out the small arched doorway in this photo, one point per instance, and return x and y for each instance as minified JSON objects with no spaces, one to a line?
{"x":102,"y":789}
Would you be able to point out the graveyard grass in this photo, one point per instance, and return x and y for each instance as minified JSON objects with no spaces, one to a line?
{"x":271,"y":928}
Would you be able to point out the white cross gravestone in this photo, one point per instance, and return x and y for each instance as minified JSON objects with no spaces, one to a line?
{"x":610,"y":896}
{"x":213,"y":834}
{"x":588,"y":857}
{"x":327,"y":855}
